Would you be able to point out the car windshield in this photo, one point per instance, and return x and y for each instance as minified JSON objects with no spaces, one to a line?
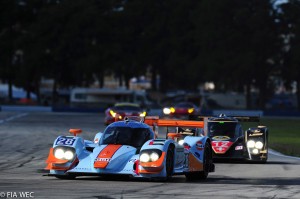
{"x":221,"y":129}
{"x":135,"y":137}
{"x":125,"y":108}
{"x":184,"y":105}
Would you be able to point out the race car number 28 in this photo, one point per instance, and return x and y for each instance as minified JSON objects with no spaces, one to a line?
{"x":65,"y":141}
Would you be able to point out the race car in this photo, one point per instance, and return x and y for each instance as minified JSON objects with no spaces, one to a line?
{"x":131,"y":148}
{"x":181,"y":110}
{"x":121,"y":110}
{"x":230,"y":142}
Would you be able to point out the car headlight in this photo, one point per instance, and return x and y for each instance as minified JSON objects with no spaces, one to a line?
{"x":172,"y":110}
{"x":143,"y":114}
{"x":154,"y":156}
{"x":64,"y":153}
{"x":69,"y":155}
{"x":190,"y":110}
{"x":255,"y":151}
{"x":150,"y":155}
{"x":181,"y":142}
{"x":259,"y":145}
{"x":250,"y":144}
{"x":166,"y":111}
{"x":145,"y":157}
{"x":112,"y":113}
{"x":59,"y":153}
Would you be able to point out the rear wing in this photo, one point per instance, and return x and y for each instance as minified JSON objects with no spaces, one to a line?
{"x":155,"y":121}
{"x":239,"y":118}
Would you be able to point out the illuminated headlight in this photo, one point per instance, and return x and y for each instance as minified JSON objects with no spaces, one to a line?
{"x":190,"y":110}
{"x":259,"y":145}
{"x":59,"y":153}
{"x":255,"y":151}
{"x":181,"y":142}
{"x":64,"y":154}
{"x":112,"y":113}
{"x":143,"y":114}
{"x":172,"y":110}
{"x":149,"y":156}
{"x":69,"y":155}
{"x":250,"y":144}
{"x":166,"y":111}
{"x":154,"y":156}
{"x":144,"y":157}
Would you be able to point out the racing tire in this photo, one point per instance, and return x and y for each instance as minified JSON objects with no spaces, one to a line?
{"x":207,"y":163}
{"x":170,"y":162}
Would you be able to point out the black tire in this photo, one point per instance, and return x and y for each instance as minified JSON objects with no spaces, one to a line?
{"x":170,"y":162}
{"x":207,"y":163}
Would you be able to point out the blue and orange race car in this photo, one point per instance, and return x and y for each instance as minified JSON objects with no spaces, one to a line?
{"x":131,"y":148}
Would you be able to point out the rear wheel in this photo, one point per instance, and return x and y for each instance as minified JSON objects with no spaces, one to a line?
{"x":207,"y":162}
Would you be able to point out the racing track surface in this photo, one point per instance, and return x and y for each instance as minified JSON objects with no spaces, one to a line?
{"x":25,"y":139}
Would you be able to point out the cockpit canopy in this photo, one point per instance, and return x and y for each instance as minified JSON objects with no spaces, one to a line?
{"x":135,"y":137}
{"x":222,"y":128}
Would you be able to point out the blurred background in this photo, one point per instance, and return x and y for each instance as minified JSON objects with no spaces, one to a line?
{"x":229,"y":54}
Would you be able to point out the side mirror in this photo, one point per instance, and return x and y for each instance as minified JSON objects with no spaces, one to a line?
{"x":97,"y":137}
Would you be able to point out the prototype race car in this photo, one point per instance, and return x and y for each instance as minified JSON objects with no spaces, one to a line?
{"x":131,"y":148}
{"x":182,"y":109}
{"x":121,"y":110}
{"x":229,"y":141}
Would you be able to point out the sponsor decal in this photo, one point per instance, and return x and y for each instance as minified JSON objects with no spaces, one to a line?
{"x":199,"y":145}
{"x":105,"y":156}
{"x":103,"y":159}
{"x":220,"y":138}
{"x":255,"y":134}
{"x":132,"y":160}
{"x":237,"y":148}
{"x":221,"y":147}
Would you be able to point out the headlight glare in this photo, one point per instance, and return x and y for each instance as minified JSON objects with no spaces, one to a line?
{"x":181,"y":142}
{"x":112,"y":113}
{"x":190,"y":110}
{"x":144,"y":157}
{"x":143,"y":114}
{"x":69,"y":155}
{"x":172,"y":110}
{"x":259,"y":145}
{"x":166,"y":111}
{"x":255,"y":151}
{"x":250,"y":144}
{"x":154,"y":156}
{"x":59,"y":153}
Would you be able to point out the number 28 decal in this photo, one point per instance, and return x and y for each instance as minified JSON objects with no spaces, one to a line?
{"x":65,"y":141}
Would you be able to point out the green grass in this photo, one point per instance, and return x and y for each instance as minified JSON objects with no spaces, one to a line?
{"x":284,"y":134}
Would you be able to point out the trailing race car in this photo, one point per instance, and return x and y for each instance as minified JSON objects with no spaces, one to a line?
{"x":121,"y":110}
{"x":131,"y":148}
{"x":229,"y":141}
{"x":182,"y":109}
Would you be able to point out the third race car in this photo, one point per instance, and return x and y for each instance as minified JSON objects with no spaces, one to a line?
{"x":230,"y":142}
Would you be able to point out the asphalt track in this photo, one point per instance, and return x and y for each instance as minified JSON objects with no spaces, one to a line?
{"x":25,"y":139}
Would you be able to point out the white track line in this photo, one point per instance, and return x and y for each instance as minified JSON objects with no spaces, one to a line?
{"x":282,"y":155}
{"x":13,"y":117}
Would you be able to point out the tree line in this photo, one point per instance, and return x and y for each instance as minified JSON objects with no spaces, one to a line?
{"x":238,"y":45}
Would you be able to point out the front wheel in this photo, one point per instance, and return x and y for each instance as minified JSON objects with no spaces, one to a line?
{"x":170,"y":162}
{"x":207,"y":163}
